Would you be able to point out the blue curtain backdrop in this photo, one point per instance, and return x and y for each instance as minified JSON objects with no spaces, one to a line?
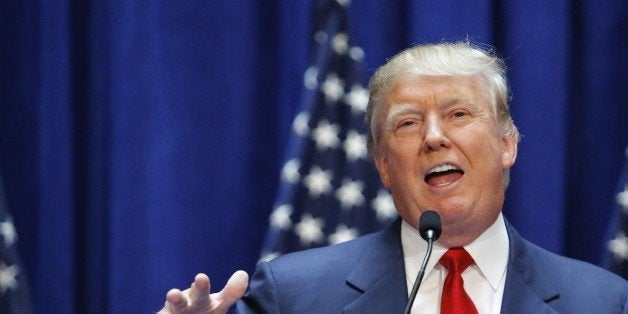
{"x":141,"y":141}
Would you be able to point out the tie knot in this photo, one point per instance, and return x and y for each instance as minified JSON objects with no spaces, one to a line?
{"x":456,"y":260}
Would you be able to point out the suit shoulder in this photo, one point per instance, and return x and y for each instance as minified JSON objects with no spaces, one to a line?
{"x":565,"y":266}
{"x":336,"y":262}
{"x":564,"y":272}
{"x":303,"y":281}
{"x":579,"y":280}
{"x":339,"y":254}
{"x":565,"y":284}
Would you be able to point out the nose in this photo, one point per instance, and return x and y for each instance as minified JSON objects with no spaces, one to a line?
{"x":435,"y":137}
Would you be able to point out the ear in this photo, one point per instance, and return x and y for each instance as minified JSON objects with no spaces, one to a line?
{"x":382,"y":168}
{"x":509,"y":155}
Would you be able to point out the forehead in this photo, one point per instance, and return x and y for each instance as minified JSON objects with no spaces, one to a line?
{"x":439,"y":90}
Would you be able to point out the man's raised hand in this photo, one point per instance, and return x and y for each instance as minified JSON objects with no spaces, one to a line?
{"x":198,"y":300}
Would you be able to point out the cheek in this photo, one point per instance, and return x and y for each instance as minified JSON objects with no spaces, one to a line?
{"x":492,"y":172}
{"x":398,"y":167}
{"x":405,"y":147}
{"x":403,"y":162}
{"x":486,"y":157}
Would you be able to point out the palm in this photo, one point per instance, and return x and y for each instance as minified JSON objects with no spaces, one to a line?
{"x":198,"y":300}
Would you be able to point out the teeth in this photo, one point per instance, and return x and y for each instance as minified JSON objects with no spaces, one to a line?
{"x":443,"y":168}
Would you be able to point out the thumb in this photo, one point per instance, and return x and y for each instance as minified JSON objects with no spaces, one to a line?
{"x":235,"y":287}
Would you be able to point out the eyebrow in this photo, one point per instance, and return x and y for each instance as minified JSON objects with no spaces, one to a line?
{"x":401,"y":110}
{"x":456,"y":100}
{"x":410,"y":109}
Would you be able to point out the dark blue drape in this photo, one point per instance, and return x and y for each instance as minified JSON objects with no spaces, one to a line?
{"x":141,"y":141}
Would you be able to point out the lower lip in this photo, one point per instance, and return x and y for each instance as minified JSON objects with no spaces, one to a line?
{"x":445,"y":179}
{"x":445,"y":183}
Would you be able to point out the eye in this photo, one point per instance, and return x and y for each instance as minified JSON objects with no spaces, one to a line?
{"x":406,"y":127}
{"x":407,"y":123}
{"x":459,"y":114}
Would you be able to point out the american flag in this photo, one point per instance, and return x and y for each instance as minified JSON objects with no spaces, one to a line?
{"x":14,"y":296}
{"x":330,"y":191}
{"x":618,"y":246}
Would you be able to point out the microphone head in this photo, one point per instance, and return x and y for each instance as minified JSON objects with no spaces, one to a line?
{"x":430,"y":220}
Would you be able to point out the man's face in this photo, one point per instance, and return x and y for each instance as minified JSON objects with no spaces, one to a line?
{"x":439,"y":148}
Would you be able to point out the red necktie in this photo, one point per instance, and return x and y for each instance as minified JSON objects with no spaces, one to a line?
{"x":454,"y":299}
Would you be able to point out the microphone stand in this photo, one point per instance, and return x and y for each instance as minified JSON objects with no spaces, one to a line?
{"x":419,"y":276}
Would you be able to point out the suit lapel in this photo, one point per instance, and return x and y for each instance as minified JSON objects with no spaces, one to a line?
{"x":527,"y":290}
{"x":380,"y":275}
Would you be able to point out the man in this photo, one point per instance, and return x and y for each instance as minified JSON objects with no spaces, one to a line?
{"x":442,"y":138}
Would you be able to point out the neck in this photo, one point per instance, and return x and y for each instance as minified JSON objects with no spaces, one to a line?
{"x":461,"y":235}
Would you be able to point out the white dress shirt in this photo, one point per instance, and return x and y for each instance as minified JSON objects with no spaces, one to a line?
{"x":483,"y":281}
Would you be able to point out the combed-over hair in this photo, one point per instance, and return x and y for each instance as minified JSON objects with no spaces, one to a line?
{"x":442,"y":59}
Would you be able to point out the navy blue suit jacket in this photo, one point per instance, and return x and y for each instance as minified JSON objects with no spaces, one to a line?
{"x":367,"y":275}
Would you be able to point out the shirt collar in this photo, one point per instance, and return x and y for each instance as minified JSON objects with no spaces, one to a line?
{"x":489,"y":251}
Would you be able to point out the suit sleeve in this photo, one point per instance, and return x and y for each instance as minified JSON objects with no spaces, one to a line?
{"x":261,"y":296}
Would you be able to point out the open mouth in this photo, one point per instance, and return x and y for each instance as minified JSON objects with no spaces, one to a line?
{"x":443,"y":175}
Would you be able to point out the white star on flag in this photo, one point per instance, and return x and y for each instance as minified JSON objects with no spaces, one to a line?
{"x":290,"y":171}
{"x":300,"y":124}
{"x":8,"y":276}
{"x":326,"y":135}
{"x":355,"y":146}
{"x":280,"y":218}
{"x":310,"y":78}
{"x":310,"y":230}
{"x":384,"y":205}
{"x":350,"y":194}
{"x":622,"y":198}
{"x":357,"y":99}
{"x":320,"y":37}
{"x":344,"y":3}
{"x":619,"y":246}
{"x":7,"y":230}
{"x":333,"y":88}
{"x":340,"y":43}
{"x":318,"y":181}
{"x":343,"y":234}
{"x":356,"y":53}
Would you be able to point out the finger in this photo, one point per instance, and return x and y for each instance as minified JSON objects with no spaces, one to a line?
{"x":235,"y":287}
{"x":166,"y":309}
{"x":199,"y":291}
{"x":176,"y":301}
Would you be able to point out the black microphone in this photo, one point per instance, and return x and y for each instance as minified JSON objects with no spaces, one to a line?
{"x":429,"y":229}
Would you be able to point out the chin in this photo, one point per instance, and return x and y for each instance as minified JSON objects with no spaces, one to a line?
{"x":451,"y":214}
